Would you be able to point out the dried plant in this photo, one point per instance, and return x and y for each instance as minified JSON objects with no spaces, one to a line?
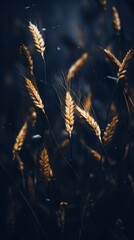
{"x":110,"y":130}
{"x":64,"y":143}
{"x":38,"y":39}
{"x":34,"y":94}
{"x":20,"y":140}
{"x":90,"y":120}
{"x":45,"y":165}
{"x":111,"y":56}
{"x":116,"y":20}
{"x":123,"y":68}
{"x":76,"y":66}
{"x":96,"y":155}
{"x":69,"y":113}
{"x":25,"y":53}
{"x":32,"y":116}
{"x":93,"y":152}
{"x":103,"y":3}
{"x":61,"y":215}
{"x":87,"y":102}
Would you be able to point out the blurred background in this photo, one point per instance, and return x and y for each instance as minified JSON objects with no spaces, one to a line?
{"x":69,"y":28}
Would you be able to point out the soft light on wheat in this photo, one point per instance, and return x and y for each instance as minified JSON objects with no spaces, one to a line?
{"x":34,"y":94}
{"x":20,"y":140}
{"x":45,"y":165}
{"x":38,"y":39}
{"x":69,"y":113}
{"x":90,"y":120}
{"x":76,"y":66}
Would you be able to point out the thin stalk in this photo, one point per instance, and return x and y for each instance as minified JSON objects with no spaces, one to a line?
{"x":25,"y":200}
{"x":109,"y":107}
{"x":75,"y":173}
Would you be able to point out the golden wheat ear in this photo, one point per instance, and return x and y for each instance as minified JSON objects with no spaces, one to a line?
{"x":34,"y":95}
{"x":116,"y":20}
{"x":90,"y":120}
{"x":76,"y":66}
{"x":69,"y":113}
{"x":20,"y":140}
{"x":25,"y":53}
{"x":110,"y":130}
{"x":45,"y":165}
{"x":124,"y":65}
{"x":38,"y":39}
{"x":112,"y":57}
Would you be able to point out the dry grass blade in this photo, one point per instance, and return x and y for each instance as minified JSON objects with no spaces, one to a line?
{"x":112,"y":57}
{"x":110,"y":130}
{"x":34,"y":94}
{"x":76,"y":66}
{"x":27,"y":58}
{"x":116,"y":20}
{"x":69,"y":113}
{"x":87,"y":102}
{"x":38,"y":39}
{"x":90,"y":121}
{"x":123,"y":68}
{"x":20,"y":140}
{"x":45,"y":166}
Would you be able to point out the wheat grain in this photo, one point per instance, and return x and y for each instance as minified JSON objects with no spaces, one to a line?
{"x":90,"y":121}
{"x":69,"y":113}
{"x":116,"y":20}
{"x":38,"y":39}
{"x":34,"y":94}
{"x":45,"y":166}
{"x":27,"y":58}
{"x":76,"y":66}
{"x":20,"y":140}
{"x":111,"y":56}
{"x":123,"y":68}
{"x":110,"y":130}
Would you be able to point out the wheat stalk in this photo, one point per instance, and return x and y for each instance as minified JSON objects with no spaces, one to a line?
{"x":34,"y":94}
{"x":44,"y":165}
{"x":116,"y":19}
{"x":123,"y":68}
{"x":38,"y":39}
{"x":110,"y":130}
{"x":90,"y":121}
{"x":69,"y":113}
{"x":111,"y":56}
{"x":27,"y":58}
{"x":20,"y":140}
{"x":76,"y":66}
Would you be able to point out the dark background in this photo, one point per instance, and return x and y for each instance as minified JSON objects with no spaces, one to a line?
{"x":72,"y":27}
